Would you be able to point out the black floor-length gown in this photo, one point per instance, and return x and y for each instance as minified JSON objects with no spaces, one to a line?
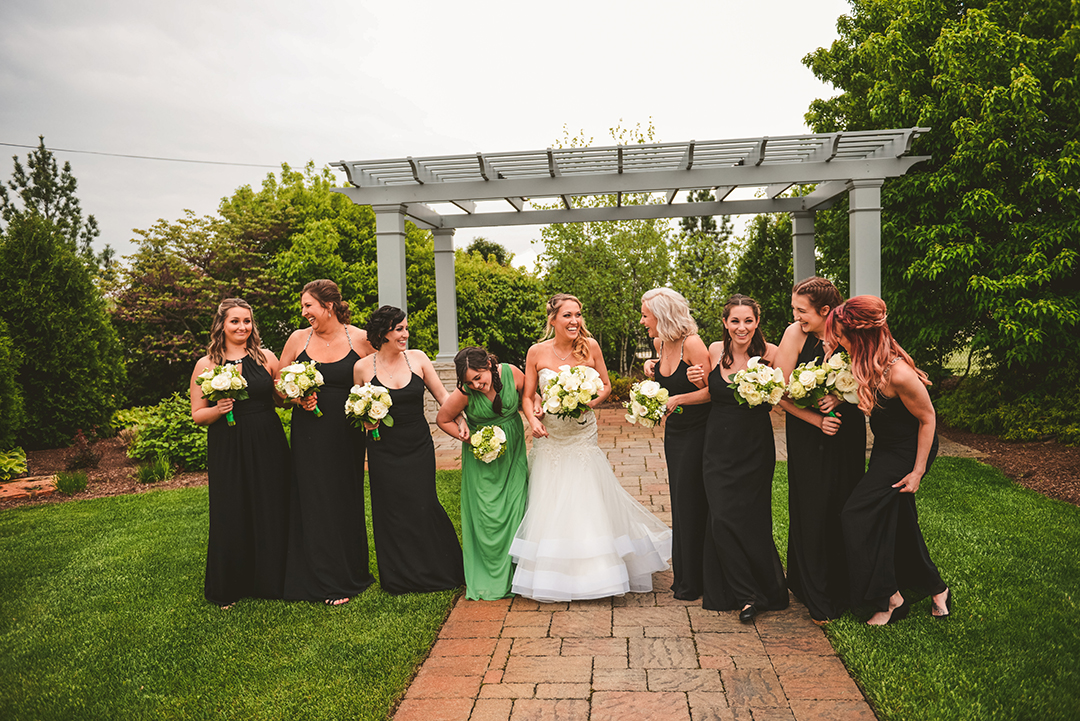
{"x":885,"y":547}
{"x":741,"y":564}
{"x":822,"y":471}
{"x":415,"y":543}
{"x":248,"y":469}
{"x":684,"y":444}
{"x":328,"y":543}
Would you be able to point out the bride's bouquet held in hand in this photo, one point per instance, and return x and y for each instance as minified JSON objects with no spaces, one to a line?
{"x":299,"y":380}
{"x":369,"y":404}
{"x":488,"y":443}
{"x":224,"y":381}
{"x":647,"y":404}
{"x":758,"y":383}
{"x":567,"y":395}
{"x":812,"y":381}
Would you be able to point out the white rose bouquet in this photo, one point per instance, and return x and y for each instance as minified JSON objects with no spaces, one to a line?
{"x":758,"y":383}
{"x":647,"y":403}
{"x":299,"y":380}
{"x":812,"y":381}
{"x":488,"y":443}
{"x":369,"y":403}
{"x":567,"y":394}
{"x":224,"y":381}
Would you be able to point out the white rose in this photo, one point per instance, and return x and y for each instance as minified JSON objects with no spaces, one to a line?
{"x":294,"y":368}
{"x":304,"y":382}
{"x":808,"y":379}
{"x":745,"y":388}
{"x":289,"y":378}
{"x":753,"y":396}
{"x":572,"y":382}
{"x":797,"y":389}
{"x":836,"y":361}
{"x":206,"y":387}
{"x":663,"y":395}
{"x":357,"y":389}
{"x":221,"y":383}
{"x":569,"y":402}
{"x":318,"y":378}
{"x":846,"y":383}
{"x":237,"y":383}
{"x":291,"y":390}
{"x":499,"y":434}
{"x":649,"y":389}
{"x":648,"y":422}
{"x":584,"y":396}
{"x":206,"y":374}
{"x":489,"y":457}
{"x":378,"y":410}
{"x":821,"y":373}
{"x":552,"y":405}
{"x":775,"y":395}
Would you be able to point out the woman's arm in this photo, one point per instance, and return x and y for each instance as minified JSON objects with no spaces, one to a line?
{"x":829,"y":425}
{"x":201,"y":411}
{"x":449,"y":412}
{"x":596,"y":359}
{"x":430,"y":376}
{"x":788,"y":352}
{"x":907,"y":384}
{"x":529,"y":395}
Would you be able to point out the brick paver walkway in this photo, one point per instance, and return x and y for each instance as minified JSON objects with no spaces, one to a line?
{"x":641,"y":656}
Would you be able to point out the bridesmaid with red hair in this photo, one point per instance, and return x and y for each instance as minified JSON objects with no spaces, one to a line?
{"x":885,"y":547}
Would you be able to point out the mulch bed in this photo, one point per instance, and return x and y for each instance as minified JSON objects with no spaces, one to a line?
{"x":1044,"y":466}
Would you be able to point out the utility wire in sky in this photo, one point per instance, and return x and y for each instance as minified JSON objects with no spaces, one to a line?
{"x":143,"y":157}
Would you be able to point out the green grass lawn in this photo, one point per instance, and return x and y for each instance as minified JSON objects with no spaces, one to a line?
{"x":1012,"y":647}
{"x":102,"y":617}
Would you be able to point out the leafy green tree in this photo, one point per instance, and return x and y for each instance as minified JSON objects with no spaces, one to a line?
{"x":702,"y":267}
{"x":608,"y":265}
{"x":11,"y":400}
{"x":980,"y":244}
{"x":499,"y":307}
{"x":765,"y":270}
{"x":487,"y":248}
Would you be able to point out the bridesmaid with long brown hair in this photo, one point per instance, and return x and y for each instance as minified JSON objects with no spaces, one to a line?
{"x":247,"y":464}
{"x":885,"y":547}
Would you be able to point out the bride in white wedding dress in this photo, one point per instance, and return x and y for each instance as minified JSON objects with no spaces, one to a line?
{"x":583,"y":536}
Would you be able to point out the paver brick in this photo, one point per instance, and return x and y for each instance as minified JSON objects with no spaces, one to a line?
{"x":710,"y":706}
{"x":753,"y":688}
{"x":535,"y":709}
{"x":436,"y":685}
{"x":684,"y":679}
{"x":464,"y":647}
{"x":491,"y":709}
{"x":555,"y":669}
{"x":471,"y":629}
{"x":457,"y":709}
{"x":536,"y":647}
{"x":729,"y":644}
{"x":507,"y":690}
{"x":594,"y":647}
{"x":501,"y":653}
{"x":811,"y":642}
{"x":456,"y":665}
{"x":610,"y":662}
{"x":528,"y":618}
{"x":831,"y":710}
{"x":479,"y":610}
{"x":563,"y":690}
{"x":623,"y":705}
{"x":815,"y":677}
{"x":655,"y":616}
{"x":717,"y":662}
{"x":624,"y":679}
{"x":662,"y":653}
{"x":576,"y":624}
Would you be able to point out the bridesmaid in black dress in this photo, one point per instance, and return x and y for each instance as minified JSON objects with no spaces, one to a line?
{"x":885,"y":547}
{"x":826,"y":458}
{"x":247,"y":466}
{"x":666,"y":315}
{"x":328,"y":546}
{"x":742,"y":567}
{"x":415,"y":542}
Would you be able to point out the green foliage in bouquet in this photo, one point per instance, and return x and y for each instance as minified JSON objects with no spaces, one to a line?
{"x":170,"y":432}
{"x":12,"y":464}
{"x":71,"y":482}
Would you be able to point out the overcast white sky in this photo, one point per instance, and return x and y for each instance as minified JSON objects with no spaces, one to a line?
{"x":270,"y":82}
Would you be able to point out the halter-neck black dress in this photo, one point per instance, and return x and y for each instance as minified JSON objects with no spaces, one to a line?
{"x":885,"y":547}
{"x":684,"y":444}
{"x":328,"y":542}
{"x":741,"y":564}
{"x":822,"y":471}
{"x":248,"y":468}
{"x":415,"y":542}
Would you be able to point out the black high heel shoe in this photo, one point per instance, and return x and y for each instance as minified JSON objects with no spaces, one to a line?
{"x":948,"y":606}
{"x":747,"y":614}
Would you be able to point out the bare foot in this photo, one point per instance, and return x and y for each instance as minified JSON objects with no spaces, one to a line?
{"x":882,"y":618}
{"x":941,"y":604}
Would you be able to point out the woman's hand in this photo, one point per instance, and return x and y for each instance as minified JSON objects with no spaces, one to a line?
{"x":830,"y":425}
{"x":538,"y":429}
{"x":649,"y":366}
{"x":463,"y":431}
{"x":696,"y":374}
{"x":828,"y":403}
{"x":909,"y":483}
{"x":308,"y":403}
{"x":672,"y":403}
{"x":224,"y":406}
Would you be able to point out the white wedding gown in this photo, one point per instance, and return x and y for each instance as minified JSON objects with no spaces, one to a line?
{"x":583,"y":536}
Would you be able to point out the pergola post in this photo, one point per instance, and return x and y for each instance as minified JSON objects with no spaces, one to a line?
{"x":864,"y":236}
{"x":446,"y":294}
{"x":390,"y":254}
{"x":802,"y":244}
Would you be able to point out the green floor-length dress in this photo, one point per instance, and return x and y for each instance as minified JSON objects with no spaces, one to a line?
{"x":492,"y":495}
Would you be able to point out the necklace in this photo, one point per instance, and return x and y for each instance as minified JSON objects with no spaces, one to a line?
{"x":321,"y":337}
{"x":561,"y":357}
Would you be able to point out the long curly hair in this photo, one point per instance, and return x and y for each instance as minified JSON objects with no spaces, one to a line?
{"x":327,"y":293}
{"x":216,"y":348}
{"x":863,"y":321}
{"x":478,"y":359}
{"x":672,"y":312}
{"x":757,"y":342}
{"x":580,"y":346}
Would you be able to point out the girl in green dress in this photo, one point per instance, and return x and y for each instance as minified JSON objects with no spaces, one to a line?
{"x":492,"y":494}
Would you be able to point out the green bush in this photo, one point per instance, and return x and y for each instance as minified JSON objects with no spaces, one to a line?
{"x":620,"y":387}
{"x":12,"y":464}
{"x":11,"y":399}
{"x":159,"y":468}
{"x":71,"y":482}
{"x":170,"y":432}
{"x":86,"y":454}
{"x":285,"y":414}
{"x":982,"y":406}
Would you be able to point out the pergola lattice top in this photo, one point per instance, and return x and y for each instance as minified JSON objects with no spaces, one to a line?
{"x":772,"y":164}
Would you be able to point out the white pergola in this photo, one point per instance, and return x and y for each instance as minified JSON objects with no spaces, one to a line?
{"x":444,"y":193}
